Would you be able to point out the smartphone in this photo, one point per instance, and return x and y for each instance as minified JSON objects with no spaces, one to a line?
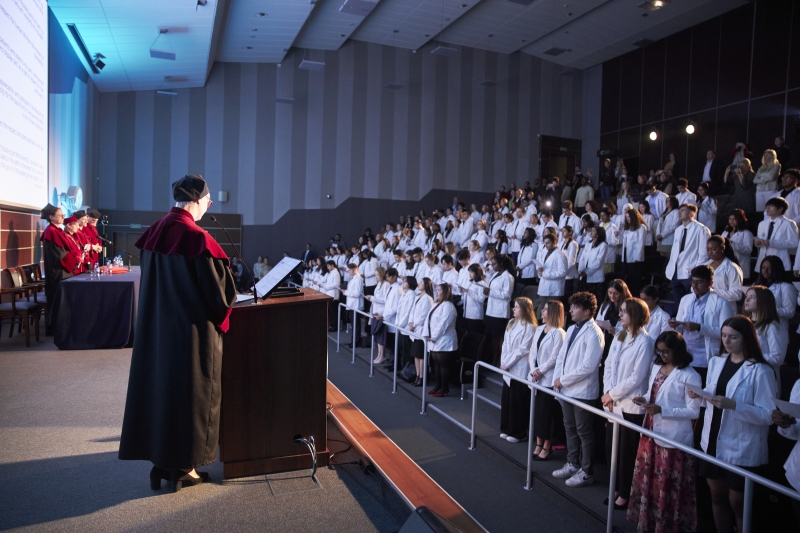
{"x":639,"y":401}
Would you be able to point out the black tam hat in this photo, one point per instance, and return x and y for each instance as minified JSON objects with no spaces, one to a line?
{"x":94,"y":213}
{"x":48,"y":210}
{"x":79,"y":214}
{"x":189,"y":188}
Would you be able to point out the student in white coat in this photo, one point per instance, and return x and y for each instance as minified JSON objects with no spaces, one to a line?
{"x":728,"y":276}
{"x":633,"y":243}
{"x":612,"y":241}
{"x":498,"y":304}
{"x":473,"y":297}
{"x":576,"y":376}
{"x":626,"y":370}
{"x":355,"y":300}
{"x":759,"y":306}
{"x":789,"y":427}
{"x":706,"y":208}
{"x":515,"y":231}
{"x":551,"y":273}
{"x":402,"y":317}
{"x":741,"y":240}
{"x":659,"y":319}
{"x":592,"y":261}
{"x":386,"y":284}
{"x":569,"y":247}
{"x":331,"y":285}
{"x":526,"y":268}
{"x":480,"y":235}
{"x":568,"y":217}
{"x":776,"y":235}
{"x":476,"y":254}
{"x":650,"y":226}
{"x":700,"y":316}
{"x":666,"y":225}
{"x":416,"y":322}
{"x":545,"y":346}
{"x":738,"y":401}
{"x":660,"y":469}
{"x":432,"y":270}
{"x":516,"y":398}
{"x":789,"y":192}
{"x":773,"y":275}
{"x":390,"y":308}
{"x":685,"y":196}
{"x":657,"y":201}
{"x":440,"y":332}
{"x":688,"y":251}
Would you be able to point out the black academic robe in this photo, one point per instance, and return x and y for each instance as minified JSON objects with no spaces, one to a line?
{"x":186,"y":291}
{"x":61,"y":258}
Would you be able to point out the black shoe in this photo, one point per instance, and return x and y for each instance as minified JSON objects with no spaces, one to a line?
{"x":181,"y":479}
{"x":417,"y":383}
{"x":157,"y":474}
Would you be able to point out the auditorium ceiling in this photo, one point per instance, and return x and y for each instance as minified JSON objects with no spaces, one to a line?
{"x":572,"y":33}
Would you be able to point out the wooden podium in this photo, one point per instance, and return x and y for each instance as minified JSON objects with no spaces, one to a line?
{"x":274,"y":379}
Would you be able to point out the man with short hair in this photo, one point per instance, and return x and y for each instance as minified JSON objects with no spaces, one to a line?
{"x":688,"y":250}
{"x":514,"y":232}
{"x":713,"y":171}
{"x":685,"y":196}
{"x":465,"y":230}
{"x":783,"y":152}
{"x":776,"y":235}
{"x":308,"y":254}
{"x":700,"y":317}
{"x":172,"y":410}
{"x":790,"y":192}
{"x":568,"y":218}
{"x":657,"y":200}
{"x":576,"y":375}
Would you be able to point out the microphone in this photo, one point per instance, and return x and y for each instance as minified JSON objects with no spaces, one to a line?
{"x":212,"y":218}
{"x":104,"y":240}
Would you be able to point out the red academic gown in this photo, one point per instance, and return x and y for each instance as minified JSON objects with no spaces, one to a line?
{"x":61,"y":258}
{"x":186,"y":293}
{"x":90,"y":236}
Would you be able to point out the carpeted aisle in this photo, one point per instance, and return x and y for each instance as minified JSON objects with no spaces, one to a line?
{"x":60,"y":418}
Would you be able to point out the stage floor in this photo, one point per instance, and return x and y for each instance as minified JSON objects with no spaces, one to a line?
{"x":60,"y":419}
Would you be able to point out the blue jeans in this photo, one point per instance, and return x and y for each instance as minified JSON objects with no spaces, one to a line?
{"x":680,"y":288}
{"x":605,"y":191}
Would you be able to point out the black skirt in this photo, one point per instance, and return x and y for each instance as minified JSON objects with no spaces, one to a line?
{"x":417,"y":349}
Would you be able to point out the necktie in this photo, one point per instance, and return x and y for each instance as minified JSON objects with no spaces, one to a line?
{"x":569,"y":344}
{"x":771,"y":227}
{"x":683,"y":240}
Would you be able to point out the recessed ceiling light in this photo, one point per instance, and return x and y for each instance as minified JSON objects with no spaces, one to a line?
{"x":261,"y":15}
{"x":524,"y":41}
{"x":464,"y":6}
{"x":395,"y":31}
{"x":248,"y":47}
{"x":447,"y":20}
{"x":342,"y":35}
{"x":254,"y":29}
{"x":490,"y":35}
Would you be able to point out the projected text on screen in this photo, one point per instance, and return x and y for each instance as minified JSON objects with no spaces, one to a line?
{"x":23,"y":103}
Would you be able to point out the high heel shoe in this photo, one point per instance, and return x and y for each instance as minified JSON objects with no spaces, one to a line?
{"x":417,"y":383}
{"x":181,"y":479}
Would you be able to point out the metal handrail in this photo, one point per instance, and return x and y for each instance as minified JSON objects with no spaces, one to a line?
{"x":749,"y":477}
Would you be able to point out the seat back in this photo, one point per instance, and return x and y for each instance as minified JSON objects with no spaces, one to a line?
{"x":471,"y":348}
{"x":27,"y":274}
{"x":530,"y":291}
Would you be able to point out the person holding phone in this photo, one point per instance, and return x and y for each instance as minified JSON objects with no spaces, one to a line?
{"x":738,"y":396}
{"x":661,"y":470}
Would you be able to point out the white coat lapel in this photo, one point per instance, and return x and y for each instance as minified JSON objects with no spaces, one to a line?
{"x":742,"y":375}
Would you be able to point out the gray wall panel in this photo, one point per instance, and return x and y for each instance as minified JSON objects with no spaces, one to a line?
{"x":245,"y":201}
{"x":162,"y":140}
{"x":107,"y":129}
{"x":125,"y":137}
{"x":143,"y":151}
{"x":232,"y":110}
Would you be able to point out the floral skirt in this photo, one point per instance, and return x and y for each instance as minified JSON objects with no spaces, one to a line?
{"x":663,"y":498}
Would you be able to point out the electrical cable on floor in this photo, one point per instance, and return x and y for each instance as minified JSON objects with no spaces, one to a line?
{"x":309,"y":442}
{"x":349,"y":445}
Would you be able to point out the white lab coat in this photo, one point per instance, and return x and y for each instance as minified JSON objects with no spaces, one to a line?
{"x":659,"y":323}
{"x":571,"y":220}
{"x":419,"y":312}
{"x":570,"y":251}
{"x":633,"y":242}
{"x":404,"y":308}
{"x":677,"y":408}
{"x":578,"y":366}
{"x":742,"y":438}
{"x":784,"y":239}
{"x":774,"y":341}
{"x":707,"y":213}
{"x":666,"y":227}
{"x":686,"y":197}
{"x":552,"y":277}
{"x":331,"y":284}
{"x":500,"y":289}
{"x":473,"y":300}
{"x":612,"y":242}
{"x":650,"y":229}
{"x":440,"y":325}
{"x":792,"y":464}
{"x":465,"y":231}
{"x":481,"y":237}
{"x":355,"y":293}
{"x":785,"y":300}
{"x":544,"y":357}
{"x":379,"y":298}
{"x":516,"y":229}
{"x":793,"y":199}
{"x":626,"y":369}
{"x":717,"y":311}
{"x":392,"y":304}
{"x":742,"y":242}
{"x":658,"y":203}
{"x":694,"y":253}
{"x":728,"y":279}
{"x":451,"y":278}
{"x":525,"y":259}
{"x":516,"y":347}
{"x":592,"y":262}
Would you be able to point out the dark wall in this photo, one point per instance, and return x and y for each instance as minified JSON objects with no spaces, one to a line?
{"x":317,"y":226}
{"x":733,"y":76}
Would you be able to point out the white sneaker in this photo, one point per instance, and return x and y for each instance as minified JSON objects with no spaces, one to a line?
{"x":568,"y":470}
{"x":503,"y":436}
{"x":580,"y":479}
{"x":514,"y":439}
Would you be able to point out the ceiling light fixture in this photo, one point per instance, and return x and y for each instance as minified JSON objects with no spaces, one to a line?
{"x":98,"y":61}
{"x":690,"y":128}
{"x":73,"y":29}
{"x":653,"y":5}
{"x":261,"y":15}
{"x":653,"y":135}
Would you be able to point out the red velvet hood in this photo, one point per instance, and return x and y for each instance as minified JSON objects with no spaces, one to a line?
{"x":178,"y":234}
{"x":56,"y":235}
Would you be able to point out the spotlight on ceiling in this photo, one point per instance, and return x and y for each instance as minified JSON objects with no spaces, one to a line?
{"x":653,"y":5}
{"x":97,"y":61}
{"x":690,"y":128}
{"x":653,"y":135}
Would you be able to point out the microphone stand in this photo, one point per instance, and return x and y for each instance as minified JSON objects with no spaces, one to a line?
{"x":130,"y":255}
{"x":213,"y":219}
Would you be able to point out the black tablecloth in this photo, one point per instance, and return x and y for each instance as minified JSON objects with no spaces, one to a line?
{"x":95,"y":313}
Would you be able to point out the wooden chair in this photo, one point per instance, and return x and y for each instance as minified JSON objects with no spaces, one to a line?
{"x":19,"y":308}
{"x":30,"y":277}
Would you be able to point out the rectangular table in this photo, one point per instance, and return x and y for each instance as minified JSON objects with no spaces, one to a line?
{"x":96,"y":313}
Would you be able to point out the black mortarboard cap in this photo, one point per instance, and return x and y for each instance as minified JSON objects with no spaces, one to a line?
{"x":79,"y":214}
{"x":189,"y":188}
{"x":48,"y":210}
{"x":94,"y":213}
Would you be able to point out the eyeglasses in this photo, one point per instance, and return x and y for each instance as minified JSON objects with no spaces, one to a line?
{"x":699,"y":282}
{"x":662,"y":352}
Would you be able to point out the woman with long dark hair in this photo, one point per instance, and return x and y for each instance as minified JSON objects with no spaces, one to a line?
{"x":608,"y":311}
{"x":741,"y":240}
{"x":759,"y":306}
{"x":473,"y":297}
{"x":516,"y":396}
{"x":728,"y":277}
{"x":633,"y":243}
{"x":526,"y":267}
{"x":738,"y":400}
{"x":569,"y":247}
{"x":774,"y":276}
{"x":419,"y":312}
{"x":591,"y":266}
{"x":499,"y":291}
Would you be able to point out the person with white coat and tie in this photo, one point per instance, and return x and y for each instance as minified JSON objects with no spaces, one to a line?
{"x":688,"y":251}
{"x":662,"y":470}
{"x":791,"y":193}
{"x":728,"y":277}
{"x":633,"y":243}
{"x":685,"y":196}
{"x":551,"y":272}
{"x":568,"y":217}
{"x":789,"y":427}
{"x":515,"y":231}
{"x":776,"y":235}
{"x":699,"y":318}
{"x":440,"y":332}
{"x":627,"y":368}
{"x":576,"y":376}
{"x":545,"y":346}
{"x":759,"y":306}
{"x":738,"y":400}
{"x":355,"y":300}
{"x":516,"y":397}
{"x":592,"y":261}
